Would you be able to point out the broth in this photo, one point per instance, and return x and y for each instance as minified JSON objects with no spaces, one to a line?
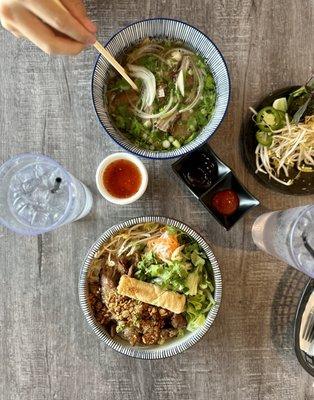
{"x":176,"y":100}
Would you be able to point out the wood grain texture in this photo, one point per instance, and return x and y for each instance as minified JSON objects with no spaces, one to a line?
{"x":46,"y":349}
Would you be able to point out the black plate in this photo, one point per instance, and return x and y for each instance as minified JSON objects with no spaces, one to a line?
{"x":246,"y":200}
{"x":305,"y":360}
{"x":200,"y":169}
{"x":304,"y":185}
{"x":204,"y":173}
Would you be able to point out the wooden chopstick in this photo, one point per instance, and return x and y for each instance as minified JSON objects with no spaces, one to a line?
{"x":105,"y":53}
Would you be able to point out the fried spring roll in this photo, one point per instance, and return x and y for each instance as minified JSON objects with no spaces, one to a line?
{"x":151,"y":294}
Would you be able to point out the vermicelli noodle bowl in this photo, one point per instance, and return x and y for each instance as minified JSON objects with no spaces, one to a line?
{"x":149,"y":283}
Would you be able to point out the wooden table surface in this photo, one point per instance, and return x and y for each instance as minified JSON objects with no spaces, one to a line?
{"x":47,"y":350}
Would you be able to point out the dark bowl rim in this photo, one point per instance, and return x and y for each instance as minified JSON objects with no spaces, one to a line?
{"x":307,"y":291}
{"x":151,"y":157}
{"x":245,"y":127}
{"x":147,"y":353}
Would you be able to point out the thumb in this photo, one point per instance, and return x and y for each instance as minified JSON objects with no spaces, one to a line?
{"x":78,"y":10}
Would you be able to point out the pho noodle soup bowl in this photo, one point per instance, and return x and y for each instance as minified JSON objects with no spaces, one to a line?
{"x":171,"y":346}
{"x":192,"y":39}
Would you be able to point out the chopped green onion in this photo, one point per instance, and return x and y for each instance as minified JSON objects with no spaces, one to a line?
{"x":166,"y":144}
{"x":176,"y":144}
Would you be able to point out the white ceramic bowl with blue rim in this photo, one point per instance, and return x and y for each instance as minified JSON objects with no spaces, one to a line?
{"x":162,"y":28}
{"x":173,"y":346}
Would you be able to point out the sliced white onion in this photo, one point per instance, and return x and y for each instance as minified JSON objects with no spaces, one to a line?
{"x":180,"y":78}
{"x":163,"y":114}
{"x":147,"y":115}
{"x":149,"y":83}
{"x":180,"y":82}
{"x":200,"y":87}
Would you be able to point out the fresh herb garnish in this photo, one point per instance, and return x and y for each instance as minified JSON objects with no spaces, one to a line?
{"x":301,"y":101}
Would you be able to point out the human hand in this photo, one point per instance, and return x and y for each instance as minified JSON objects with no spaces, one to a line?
{"x":55,"y":28}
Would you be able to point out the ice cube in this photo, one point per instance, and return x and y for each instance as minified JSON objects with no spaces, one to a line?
{"x":31,"y":198}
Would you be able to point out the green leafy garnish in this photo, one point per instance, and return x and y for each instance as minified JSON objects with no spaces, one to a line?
{"x":149,"y":62}
{"x":301,"y":101}
{"x":120,"y":84}
{"x":188,"y":272}
{"x":209,"y":82}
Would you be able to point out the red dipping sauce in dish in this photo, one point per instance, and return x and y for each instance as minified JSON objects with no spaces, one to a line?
{"x":225,"y":202}
{"x":122,"y":178}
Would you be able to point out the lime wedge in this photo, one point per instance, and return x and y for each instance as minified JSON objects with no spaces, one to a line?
{"x":281,"y":104}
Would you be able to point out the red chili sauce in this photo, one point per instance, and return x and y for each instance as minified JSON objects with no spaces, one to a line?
{"x":225,"y":202}
{"x":122,"y":178}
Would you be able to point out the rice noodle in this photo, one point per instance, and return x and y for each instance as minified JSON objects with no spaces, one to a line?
{"x":127,"y":242}
{"x":180,"y":49}
{"x":143,"y":50}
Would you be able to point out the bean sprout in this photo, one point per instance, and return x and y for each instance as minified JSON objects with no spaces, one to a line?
{"x":291,"y":147}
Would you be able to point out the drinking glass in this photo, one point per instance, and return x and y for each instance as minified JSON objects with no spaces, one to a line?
{"x":288,"y":235}
{"x":38,"y":195}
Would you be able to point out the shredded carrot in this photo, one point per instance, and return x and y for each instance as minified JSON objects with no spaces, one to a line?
{"x":164,"y":245}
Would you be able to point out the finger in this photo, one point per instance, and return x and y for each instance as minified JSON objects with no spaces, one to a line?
{"x":78,"y":10}
{"x":9,"y":27}
{"x":41,"y":35}
{"x":16,"y":33}
{"x":59,"y":18}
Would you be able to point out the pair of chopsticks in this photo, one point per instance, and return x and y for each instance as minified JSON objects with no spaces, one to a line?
{"x":105,"y":53}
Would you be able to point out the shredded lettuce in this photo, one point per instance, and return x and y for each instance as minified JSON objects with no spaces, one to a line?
{"x":187,"y":272}
{"x":196,"y":322}
{"x":192,"y":282}
{"x":171,"y":229}
{"x":197,"y":260}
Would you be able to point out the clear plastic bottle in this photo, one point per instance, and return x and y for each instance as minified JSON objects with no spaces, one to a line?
{"x":288,"y":235}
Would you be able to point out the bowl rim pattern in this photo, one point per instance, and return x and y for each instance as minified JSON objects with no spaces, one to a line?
{"x":194,"y":144}
{"x":169,"y":348}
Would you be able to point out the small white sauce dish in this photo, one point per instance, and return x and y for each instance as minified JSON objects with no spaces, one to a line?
{"x":121,"y":156}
